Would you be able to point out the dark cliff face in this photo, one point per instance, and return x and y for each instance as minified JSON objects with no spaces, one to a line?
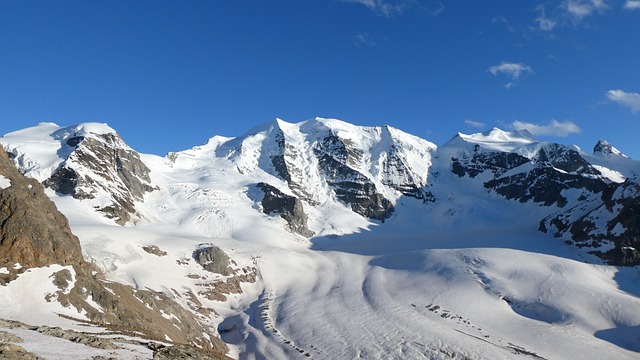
{"x":545,"y":185}
{"x":496,"y":162}
{"x":585,"y":208}
{"x":610,"y":216}
{"x":102,"y":164}
{"x":337,"y":158}
{"x":338,"y":161}
{"x":289,"y":207}
{"x":33,"y":232}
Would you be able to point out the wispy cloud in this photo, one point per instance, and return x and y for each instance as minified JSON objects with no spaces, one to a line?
{"x":437,"y":10}
{"x":544,"y":22}
{"x":363,"y":39}
{"x":385,"y":7}
{"x":580,"y":9}
{"x":632,"y":5}
{"x":628,"y":99}
{"x":503,"y":20}
{"x":570,"y":12}
{"x":475,"y":124}
{"x":512,"y":70}
{"x":552,"y":128}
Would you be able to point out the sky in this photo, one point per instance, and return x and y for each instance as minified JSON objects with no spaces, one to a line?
{"x":168,"y":75}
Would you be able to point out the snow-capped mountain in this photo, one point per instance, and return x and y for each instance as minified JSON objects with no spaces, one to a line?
{"x":90,"y":162}
{"x":328,"y":240}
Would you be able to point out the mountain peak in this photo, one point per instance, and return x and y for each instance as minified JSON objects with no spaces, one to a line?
{"x":495,"y":139}
{"x":497,"y":134}
{"x":82,"y":130}
{"x":603,"y":147}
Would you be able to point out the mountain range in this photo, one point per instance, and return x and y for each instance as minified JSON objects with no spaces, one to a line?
{"x":323,"y":239}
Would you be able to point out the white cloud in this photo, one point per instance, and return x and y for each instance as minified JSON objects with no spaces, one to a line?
{"x":579,"y":9}
{"x":513,"y":70}
{"x":632,"y":5}
{"x":630,"y":100}
{"x":553,"y":128}
{"x":385,"y":7}
{"x":475,"y":124}
{"x":570,"y":11}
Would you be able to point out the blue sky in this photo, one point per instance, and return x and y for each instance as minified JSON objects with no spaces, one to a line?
{"x":167,"y":75}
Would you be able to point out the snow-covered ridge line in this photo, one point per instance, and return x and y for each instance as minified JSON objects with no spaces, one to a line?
{"x":350,"y":241}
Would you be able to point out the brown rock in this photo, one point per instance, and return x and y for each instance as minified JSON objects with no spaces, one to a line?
{"x":33,"y":232}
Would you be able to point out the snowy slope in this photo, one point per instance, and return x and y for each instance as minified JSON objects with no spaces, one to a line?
{"x":444,"y":267}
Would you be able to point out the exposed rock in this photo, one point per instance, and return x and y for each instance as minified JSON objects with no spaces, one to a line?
{"x":543,"y":185}
{"x":101,"y":165}
{"x":180,"y":352}
{"x":619,"y":206}
{"x":100,"y":341}
{"x":622,"y":255}
{"x":336,"y":157}
{"x":33,"y":232}
{"x":155,"y":250}
{"x":289,"y":207}
{"x":219,"y":290}
{"x":603,"y":147}
{"x":496,"y":162}
{"x":78,"y":337}
{"x":6,"y":337}
{"x":13,"y":352}
{"x":561,"y":177}
{"x":131,"y":311}
{"x":213,"y":259}
{"x":568,"y":160}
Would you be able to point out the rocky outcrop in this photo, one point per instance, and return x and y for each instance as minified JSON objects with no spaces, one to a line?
{"x":497,"y":163}
{"x":289,"y":207}
{"x":33,"y":233}
{"x":179,"y":352}
{"x":560,"y":157}
{"x":544,"y":185}
{"x":130,"y":311}
{"x":10,"y":350}
{"x":213,"y":259}
{"x":101,"y":165}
